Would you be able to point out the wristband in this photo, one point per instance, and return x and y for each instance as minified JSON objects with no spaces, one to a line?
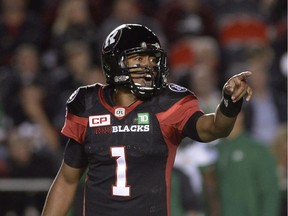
{"x":228,"y":107}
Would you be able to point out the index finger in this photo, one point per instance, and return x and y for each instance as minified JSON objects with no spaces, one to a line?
{"x":243,"y":75}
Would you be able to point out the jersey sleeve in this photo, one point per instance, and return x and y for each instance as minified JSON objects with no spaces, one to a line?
{"x":185,"y":112}
{"x":74,"y":154}
{"x":75,"y":123}
{"x":190,"y":130}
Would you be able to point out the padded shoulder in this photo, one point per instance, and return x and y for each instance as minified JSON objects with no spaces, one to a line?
{"x":172,"y":94}
{"x":82,"y":99}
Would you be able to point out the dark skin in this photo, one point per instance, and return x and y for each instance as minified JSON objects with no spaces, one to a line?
{"x":209,"y":127}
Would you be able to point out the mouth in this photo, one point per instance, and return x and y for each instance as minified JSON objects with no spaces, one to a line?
{"x":144,"y":80}
{"x":148,"y":77}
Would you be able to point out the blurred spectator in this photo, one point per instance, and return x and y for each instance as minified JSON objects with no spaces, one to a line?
{"x":129,"y":11}
{"x":204,"y":83}
{"x":277,"y":19}
{"x":32,"y":100}
{"x":191,"y":54}
{"x":17,"y":26}
{"x":100,"y":10}
{"x":246,"y":175}
{"x":279,"y":150}
{"x":4,"y":125}
{"x":96,"y":75}
{"x":3,"y":137}
{"x":224,"y":7}
{"x":243,"y":24}
{"x":180,"y":18}
{"x":269,"y":106}
{"x":195,"y":160}
{"x":151,"y":8}
{"x":184,"y":202}
{"x":25,"y":70}
{"x":73,"y":22}
{"x":237,"y":33}
{"x":49,"y":9}
{"x":279,"y":70}
{"x":24,"y":161}
{"x":273,"y":10}
{"x":25,"y":92}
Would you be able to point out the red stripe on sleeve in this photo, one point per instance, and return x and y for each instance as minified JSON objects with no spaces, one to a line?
{"x":75,"y":127}
{"x":176,"y":117}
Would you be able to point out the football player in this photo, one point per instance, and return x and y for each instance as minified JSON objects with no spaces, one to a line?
{"x":126,"y":133}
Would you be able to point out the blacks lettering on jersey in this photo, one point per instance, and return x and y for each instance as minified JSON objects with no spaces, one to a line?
{"x":130,"y":150}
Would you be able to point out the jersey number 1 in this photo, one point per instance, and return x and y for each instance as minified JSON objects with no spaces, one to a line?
{"x":120,"y":188}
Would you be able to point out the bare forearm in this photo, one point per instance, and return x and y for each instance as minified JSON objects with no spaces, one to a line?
{"x":223,"y":125}
{"x":59,"y":198}
{"x":62,"y":191}
{"x":215,"y":125}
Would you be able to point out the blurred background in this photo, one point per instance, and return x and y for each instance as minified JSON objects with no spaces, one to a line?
{"x":48,"y":48}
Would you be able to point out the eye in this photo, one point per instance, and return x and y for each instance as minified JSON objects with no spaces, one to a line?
{"x":135,"y":58}
{"x":153,"y":59}
{"x":138,"y":58}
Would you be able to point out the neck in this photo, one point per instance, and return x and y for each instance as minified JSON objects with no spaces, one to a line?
{"x":123,"y":97}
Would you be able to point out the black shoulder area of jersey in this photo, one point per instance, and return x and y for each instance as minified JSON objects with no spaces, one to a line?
{"x":171,"y":95}
{"x":82,"y":99}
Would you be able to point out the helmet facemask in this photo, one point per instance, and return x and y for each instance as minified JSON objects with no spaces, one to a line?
{"x":143,"y":80}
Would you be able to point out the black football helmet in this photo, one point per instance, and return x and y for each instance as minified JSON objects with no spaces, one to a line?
{"x":130,"y":39}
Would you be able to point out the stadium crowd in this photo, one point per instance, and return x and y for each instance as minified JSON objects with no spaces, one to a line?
{"x":48,"y":48}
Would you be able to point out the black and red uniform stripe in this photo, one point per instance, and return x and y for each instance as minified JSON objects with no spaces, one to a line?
{"x":149,"y":154}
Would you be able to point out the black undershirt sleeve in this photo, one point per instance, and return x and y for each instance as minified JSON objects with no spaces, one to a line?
{"x":74,"y":154}
{"x":190,"y":129}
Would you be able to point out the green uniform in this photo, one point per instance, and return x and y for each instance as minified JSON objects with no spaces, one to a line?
{"x":183,"y":198}
{"x":247,"y":178}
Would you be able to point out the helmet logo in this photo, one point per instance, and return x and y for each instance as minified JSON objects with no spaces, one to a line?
{"x":144,"y":45}
{"x":111,"y":39}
